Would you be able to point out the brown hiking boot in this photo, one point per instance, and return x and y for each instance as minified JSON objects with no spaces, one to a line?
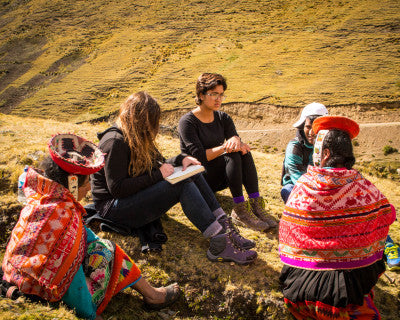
{"x":243,"y":215}
{"x":258,"y":207}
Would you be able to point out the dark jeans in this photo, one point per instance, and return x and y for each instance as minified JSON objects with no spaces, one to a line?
{"x":285,"y":191}
{"x":197,"y":200}
{"x":232,"y":170}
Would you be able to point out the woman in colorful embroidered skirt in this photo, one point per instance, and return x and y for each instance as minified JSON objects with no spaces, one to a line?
{"x":333,"y":231}
{"x":52,"y":255}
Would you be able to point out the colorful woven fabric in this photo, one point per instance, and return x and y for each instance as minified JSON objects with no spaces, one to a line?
{"x":124,"y":273}
{"x":317,"y":310}
{"x":75,"y":154}
{"x":48,"y":243}
{"x":98,"y":268}
{"x":334,"y":219}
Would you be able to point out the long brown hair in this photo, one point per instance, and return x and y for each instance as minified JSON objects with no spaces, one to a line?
{"x":139,"y":120}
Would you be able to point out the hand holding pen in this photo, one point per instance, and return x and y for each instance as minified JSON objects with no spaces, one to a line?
{"x":166,"y":169}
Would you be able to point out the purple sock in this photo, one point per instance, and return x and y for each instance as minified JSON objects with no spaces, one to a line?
{"x":238,"y":199}
{"x":254,"y":195}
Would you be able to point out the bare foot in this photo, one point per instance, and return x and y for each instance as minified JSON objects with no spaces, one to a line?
{"x":159,"y":295}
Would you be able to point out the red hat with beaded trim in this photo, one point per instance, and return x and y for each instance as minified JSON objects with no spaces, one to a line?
{"x":75,"y":154}
{"x":321,"y":127}
{"x":336,"y":122}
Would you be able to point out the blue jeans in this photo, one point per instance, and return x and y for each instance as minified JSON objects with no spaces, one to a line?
{"x":196,"y":197}
{"x":285,"y":192}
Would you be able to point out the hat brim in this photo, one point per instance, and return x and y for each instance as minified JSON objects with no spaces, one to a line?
{"x":90,"y":158}
{"x":299,"y":122}
{"x":336,"y":122}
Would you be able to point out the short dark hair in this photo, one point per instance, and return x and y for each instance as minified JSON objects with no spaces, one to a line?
{"x":208,"y":81}
{"x":339,"y":144}
{"x":55,"y":173}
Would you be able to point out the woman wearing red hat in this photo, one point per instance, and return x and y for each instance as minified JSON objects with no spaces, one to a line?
{"x":53,"y":256}
{"x":332,"y":232}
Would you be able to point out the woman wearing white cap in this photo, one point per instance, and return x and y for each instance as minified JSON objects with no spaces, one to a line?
{"x":299,"y":151}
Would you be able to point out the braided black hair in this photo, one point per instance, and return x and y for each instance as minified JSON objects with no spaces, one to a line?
{"x":339,"y":144}
{"x":55,"y":173}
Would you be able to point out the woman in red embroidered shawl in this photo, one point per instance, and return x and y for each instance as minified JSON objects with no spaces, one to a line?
{"x":52,"y":255}
{"x":333,"y":231}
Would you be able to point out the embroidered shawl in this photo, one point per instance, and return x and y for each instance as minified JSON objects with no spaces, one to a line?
{"x":334,"y":219}
{"x":48,"y":243}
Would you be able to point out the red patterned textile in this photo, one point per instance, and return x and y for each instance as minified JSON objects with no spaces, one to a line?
{"x":48,"y":243}
{"x":322,"y":311}
{"x":334,"y":219}
{"x":125,"y":272}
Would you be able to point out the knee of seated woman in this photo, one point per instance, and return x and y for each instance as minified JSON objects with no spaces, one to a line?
{"x":235,"y":156}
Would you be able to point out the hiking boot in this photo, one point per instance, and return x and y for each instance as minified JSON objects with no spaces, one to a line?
{"x":222,"y":248}
{"x":258,"y":207}
{"x":392,"y":254}
{"x":244,"y":216}
{"x":229,"y":227}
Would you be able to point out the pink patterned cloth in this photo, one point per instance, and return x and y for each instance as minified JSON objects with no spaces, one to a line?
{"x":334,"y":219}
{"x":48,"y":243}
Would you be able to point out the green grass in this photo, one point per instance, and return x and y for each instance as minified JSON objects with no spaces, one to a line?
{"x":219,"y":290}
{"x":74,"y":60}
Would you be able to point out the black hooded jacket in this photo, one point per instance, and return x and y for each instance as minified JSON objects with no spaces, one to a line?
{"x":114,"y":181}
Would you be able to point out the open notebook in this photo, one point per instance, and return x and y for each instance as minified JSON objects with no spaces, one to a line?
{"x":180,"y":175}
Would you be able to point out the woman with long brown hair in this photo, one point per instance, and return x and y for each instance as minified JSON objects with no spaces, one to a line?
{"x":131,"y":189}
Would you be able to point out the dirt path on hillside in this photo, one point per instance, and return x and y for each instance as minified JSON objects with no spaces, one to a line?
{"x":362,"y":125}
{"x":268,"y":127}
{"x":370,"y":142}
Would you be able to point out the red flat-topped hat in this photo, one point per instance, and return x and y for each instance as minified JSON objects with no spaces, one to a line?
{"x":336,"y":122}
{"x":75,"y":154}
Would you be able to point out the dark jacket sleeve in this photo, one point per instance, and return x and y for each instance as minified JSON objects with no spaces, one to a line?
{"x":177,"y":160}
{"x":119,"y":183}
{"x":190,"y":139}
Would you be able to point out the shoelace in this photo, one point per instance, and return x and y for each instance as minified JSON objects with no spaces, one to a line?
{"x":249,"y":210}
{"x":234,"y":244}
{"x":392,"y":251}
{"x":231,"y":227}
{"x":261,"y":201}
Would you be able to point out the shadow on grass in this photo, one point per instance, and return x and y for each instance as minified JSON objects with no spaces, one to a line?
{"x":209,"y":288}
{"x":387,"y":304}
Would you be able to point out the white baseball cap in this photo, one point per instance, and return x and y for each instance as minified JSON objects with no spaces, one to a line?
{"x":312,"y":109}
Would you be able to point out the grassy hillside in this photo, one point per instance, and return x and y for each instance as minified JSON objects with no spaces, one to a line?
{"x":75,"y":60}
{"x":211,"y":290}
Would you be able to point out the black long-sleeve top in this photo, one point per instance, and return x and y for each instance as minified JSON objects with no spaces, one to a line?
{"x":114,"y":181}
{"x":196,"y":136}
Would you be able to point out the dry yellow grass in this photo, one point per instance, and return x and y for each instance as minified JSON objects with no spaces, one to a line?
{"x":74,"y":60}
{"x":209,"y":288}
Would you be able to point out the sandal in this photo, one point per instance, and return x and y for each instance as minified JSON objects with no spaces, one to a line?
{"x":172,"y":295}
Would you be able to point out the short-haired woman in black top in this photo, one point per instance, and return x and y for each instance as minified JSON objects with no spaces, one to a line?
{"x":131,"y":189}
{"x":210,"y":136}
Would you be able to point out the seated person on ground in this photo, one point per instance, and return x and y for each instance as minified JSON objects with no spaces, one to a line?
{"x":52,"y":255}
{"x":210,"y":136}
{"x":131,"y":189}
{"x":299,"y":151}
{"x":331,"y":263}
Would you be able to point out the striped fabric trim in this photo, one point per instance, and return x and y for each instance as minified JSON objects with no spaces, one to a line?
{"x":334,"y":219}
